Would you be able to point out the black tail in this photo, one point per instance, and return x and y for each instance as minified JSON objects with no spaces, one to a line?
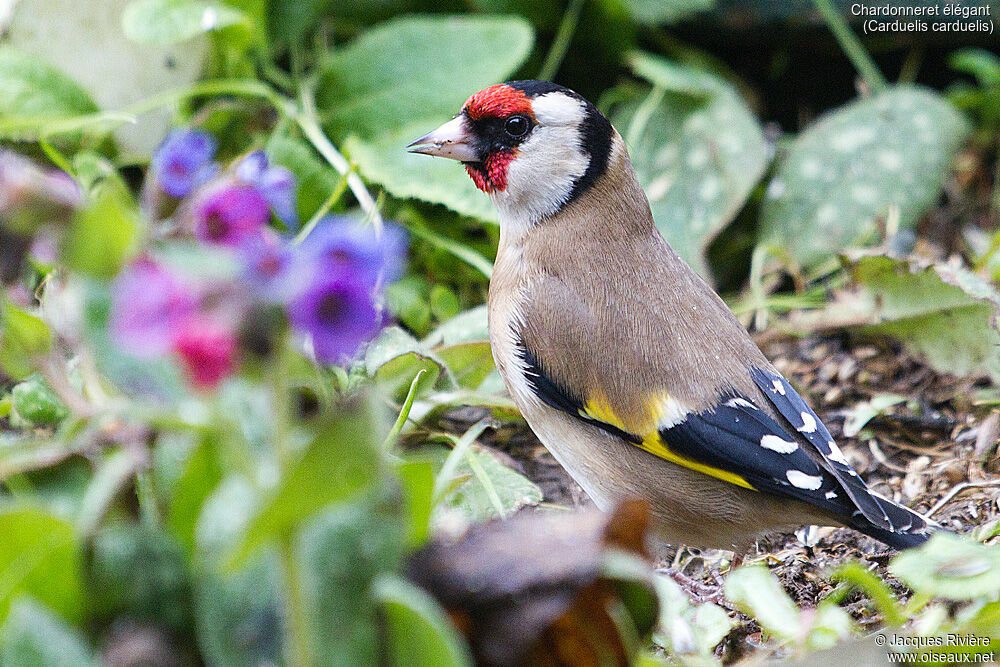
{"x":909,"y":529}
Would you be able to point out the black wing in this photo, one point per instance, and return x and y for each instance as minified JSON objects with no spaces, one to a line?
{"x":801,"y":417}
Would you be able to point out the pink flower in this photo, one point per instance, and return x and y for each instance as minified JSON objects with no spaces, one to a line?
{"x":148,"y":302}
{"x":207,"y":351}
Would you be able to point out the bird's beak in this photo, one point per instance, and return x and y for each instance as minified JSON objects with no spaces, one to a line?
{"x":451,"y":140}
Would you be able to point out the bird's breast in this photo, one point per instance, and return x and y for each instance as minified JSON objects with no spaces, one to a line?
{"x":507,"y":299}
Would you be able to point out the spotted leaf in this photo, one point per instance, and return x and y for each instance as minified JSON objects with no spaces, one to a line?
{"x":837,"y":181}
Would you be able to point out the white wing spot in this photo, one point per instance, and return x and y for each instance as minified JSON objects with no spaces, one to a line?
{"x":741,"y":403}
{"x":803,"y":481}
{"x":776,"y":444}
{"x":670,"y":412}
{"x":830,"y":495}
{"x":836,"y":454}
{"x":778,"y":387}
{"x":808,"y":423}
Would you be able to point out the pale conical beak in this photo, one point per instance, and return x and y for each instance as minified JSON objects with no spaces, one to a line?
{"x":451,"y":140}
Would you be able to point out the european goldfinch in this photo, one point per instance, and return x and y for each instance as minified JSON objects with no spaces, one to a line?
{"x":627,"y":366}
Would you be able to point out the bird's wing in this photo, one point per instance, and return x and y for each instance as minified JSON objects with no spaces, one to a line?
{"x":801,"y":417}
{"x":735,"y":441}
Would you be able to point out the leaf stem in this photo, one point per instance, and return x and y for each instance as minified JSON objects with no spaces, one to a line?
{"x":851,"y":45}
{"x":297,"y":648}
{"x":148,"y":511}
{"x":338,"y":191}
{"x":282,"y":389}
{"x":306,"y":119}
{"x":560,"y":44}
{"x":404,"y":412}
{"x":455,"y":457}
{"x":463,"y":252}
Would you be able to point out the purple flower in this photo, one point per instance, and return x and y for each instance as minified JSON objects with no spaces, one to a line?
{"x":148,"y":304}
{"x":337,"y":313}
{"x":183,"y":161}
{"x":266,"y":261}
{"x":274,"y":182}
{"x":339,"y":243}
{"x":229,"y":214}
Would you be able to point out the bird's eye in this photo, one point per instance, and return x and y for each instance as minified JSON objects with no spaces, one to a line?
{"x":516,"y":126}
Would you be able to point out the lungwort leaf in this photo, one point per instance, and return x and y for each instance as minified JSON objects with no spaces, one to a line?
{"x":842,"y":175}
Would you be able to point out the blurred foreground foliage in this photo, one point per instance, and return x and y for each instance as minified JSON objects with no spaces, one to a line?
{"x":239,"y":493}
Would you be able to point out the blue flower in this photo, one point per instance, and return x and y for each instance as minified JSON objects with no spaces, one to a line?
{"x":337,"y":313}
{"x":183,"y":161}
{"x":274,"y":182}
{"x":339,"y":243}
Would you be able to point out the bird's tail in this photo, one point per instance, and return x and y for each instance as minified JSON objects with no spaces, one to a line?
{"x":908,"y":528}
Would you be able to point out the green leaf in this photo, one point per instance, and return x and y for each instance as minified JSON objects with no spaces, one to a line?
{"x":343,"y":551}
{"x":23,"y":337}
{"x":697,"y":148}
{"x":477,"y":495}
{"x":685,"y":628}
{"x":456,"y":248}
{"x":237,"y":614}
{"x":314,"y":178}
{"x":395,"y":358}
{"x":632,"y":578}
{"x":419,"y":632}
{"x":950,"y":567}
{"x":114,"y":471}
{"x":289,"y":22}
{"x":759,"y":594}
{"x":417,"y":481}
{"x":861,"y":413}
{"x":871,"y":585}
{"x":164,"y":22}
{"x":942,"y":313}
{"x":141,"y":573}
{"x":980,"y":63}
{"x":202,"y":474}
{"x":90,"y":47}
{"x":417,"y":68}
{"x":32,"y":636}
{"x":469,"y":363}
{"x":38,"y":557}
{"x":105,"y":234}
{"x":385,"y":161}
{"x":340,"y":462}
{"x":34,"y":401}
{"x":844,"y":172}
{"x":468,"y":326}
{"x":31,"y":89}
{"x":444,"y":302}
{"x":830,"y":626}
{"x":659,"y":12}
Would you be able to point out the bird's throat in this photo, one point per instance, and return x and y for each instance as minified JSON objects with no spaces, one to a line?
{"x":490,"y":175}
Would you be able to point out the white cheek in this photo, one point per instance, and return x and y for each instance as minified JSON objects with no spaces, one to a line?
{"x":541,"y":177}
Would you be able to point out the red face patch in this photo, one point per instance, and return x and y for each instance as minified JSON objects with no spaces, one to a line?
{"x":492,"y":176}
{"x":498,"y":101}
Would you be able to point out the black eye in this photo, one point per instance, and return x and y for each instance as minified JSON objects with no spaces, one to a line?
{"x":516,"y":126}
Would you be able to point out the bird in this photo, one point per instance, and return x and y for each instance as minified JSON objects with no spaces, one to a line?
{"x":624,"y":362}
